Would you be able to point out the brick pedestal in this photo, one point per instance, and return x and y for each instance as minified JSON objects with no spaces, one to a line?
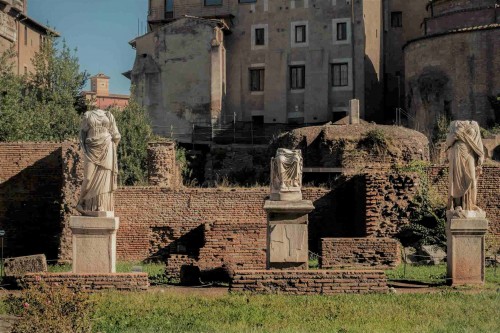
{"x":94,"y":244}
{"x":466,"y":258}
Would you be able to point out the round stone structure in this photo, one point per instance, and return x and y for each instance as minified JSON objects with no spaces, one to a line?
{"x":450,"y":70}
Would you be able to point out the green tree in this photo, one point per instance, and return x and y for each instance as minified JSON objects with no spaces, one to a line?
{"x":42,"y":105}
{"x":134,"y":126}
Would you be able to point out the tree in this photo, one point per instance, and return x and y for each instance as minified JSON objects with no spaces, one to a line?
{"x":42,"y":105}
{"x":134,"y":126}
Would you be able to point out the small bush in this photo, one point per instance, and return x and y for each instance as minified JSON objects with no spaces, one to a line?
{"x":376,"y":141}
{"x":48,"y":309}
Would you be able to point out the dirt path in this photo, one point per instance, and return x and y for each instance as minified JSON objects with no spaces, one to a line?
{"x":6,"y":323}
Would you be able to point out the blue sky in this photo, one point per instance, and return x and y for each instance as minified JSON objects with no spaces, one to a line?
{"x":99,"y":29}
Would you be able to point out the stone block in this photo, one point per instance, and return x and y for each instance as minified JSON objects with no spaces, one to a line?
{"x":466,"y":250}
{"x":19,"y":266}
{"x":94,"y":244}
{"x":288,"y":243}
{"x":354,"y":111}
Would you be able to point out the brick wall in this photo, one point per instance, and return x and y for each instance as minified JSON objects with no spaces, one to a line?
{"x":325,"y":282}
{"x":30,"y":197}
{"x":359,"y":252}
{"x":90,"y":282}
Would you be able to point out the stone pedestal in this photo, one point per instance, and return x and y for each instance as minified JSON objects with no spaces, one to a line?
{"x":287,"y":236}
{"x":466,"y":258}
{"x":94,"y":243}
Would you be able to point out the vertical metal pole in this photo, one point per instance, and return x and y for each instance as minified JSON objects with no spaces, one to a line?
{"x":192,"y":136}
{"x":234,"y":127}
{"x":2,"y":259}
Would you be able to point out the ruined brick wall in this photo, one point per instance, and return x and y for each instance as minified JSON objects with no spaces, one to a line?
{"x":239,"y":244}
{"x":324,"y":282}
{"x":389,"y":197}
{"x":90,"y":282}
{"x":30,"y":185}
{"x":359,"y":252}
{"x":163,"y":170}
{"x":388,"y":202}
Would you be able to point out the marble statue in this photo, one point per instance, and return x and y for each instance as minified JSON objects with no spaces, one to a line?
{"x":99,"y":137}
{"x":466,"y":156}
{"x":286,"y":172}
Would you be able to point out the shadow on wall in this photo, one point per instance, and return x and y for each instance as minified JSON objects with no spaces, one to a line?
{"x":30,"y":208}
{"x":340,"y":213}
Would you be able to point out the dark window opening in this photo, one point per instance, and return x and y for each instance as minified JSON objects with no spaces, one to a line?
{"x":340,"y":75}
{"x":260,"y":36}
{"x":169,"y":8}
{"x":257,"y":79}
{"x":300,"y":34}
{"x":213,"y":2}
{"x":297,"y":77}
{"x":342,"y":31}
{"x":396,"y":19}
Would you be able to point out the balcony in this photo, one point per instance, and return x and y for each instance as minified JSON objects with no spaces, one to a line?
{"x":18,"y":5}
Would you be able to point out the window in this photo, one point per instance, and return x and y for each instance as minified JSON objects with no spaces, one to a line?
{"x":297,"y":77}
{"x":260,"y":36}
{"x":340,"y":75}
{"x":213,"y":2}
{"x":25,"y":35}
{"x":396,"y":19}
{"x":247,"y":1}
{"x":169,"y":6}
{"x":25,"y":70}
{"x":257,"y":79}
{"x":300,"y":34}
{"x":342,"y":31}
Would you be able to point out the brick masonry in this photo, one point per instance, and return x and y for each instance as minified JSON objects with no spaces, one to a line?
{"x":91,"y":282}
{"x":325,"y":282}
{"x":359,"y":252}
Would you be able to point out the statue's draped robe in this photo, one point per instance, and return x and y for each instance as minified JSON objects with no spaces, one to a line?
{"x":98,"y":131}
{"x":288,"y":169}
{"x":465,"y":153}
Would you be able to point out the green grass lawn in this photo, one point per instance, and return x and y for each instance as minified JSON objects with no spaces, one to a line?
{"x":173,"y":310}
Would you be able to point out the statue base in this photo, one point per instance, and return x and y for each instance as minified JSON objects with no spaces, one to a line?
{"x":466,"y":246}
{"x":94,"y":243}
{"x":287,"y":235}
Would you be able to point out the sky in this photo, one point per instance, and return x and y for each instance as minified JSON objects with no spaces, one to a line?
{"x":100,"y":30}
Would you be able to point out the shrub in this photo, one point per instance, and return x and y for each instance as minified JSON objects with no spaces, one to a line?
{"x":376,"y":141}
{"x":49,"y":309}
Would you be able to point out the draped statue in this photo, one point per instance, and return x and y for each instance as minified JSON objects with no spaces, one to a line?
{"x":466,"y":156}
{"x":286,"y":174}
{"x":99,"y":137}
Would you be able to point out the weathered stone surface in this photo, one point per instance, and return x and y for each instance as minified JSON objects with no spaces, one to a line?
{"x":287,"y":233}
{"x":91,"y":282}
{"x":434,"y":254}
{"x":354,"y":111}
{"x":303,"y":282}
{"x":286,"y":175}
{"x":20,"y":266}
{"x":94,"y":244}
{"x":466,"y":250}
{"x":288,"y":243}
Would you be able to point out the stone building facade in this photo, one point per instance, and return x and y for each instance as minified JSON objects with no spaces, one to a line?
{"x":268,"y":62}
{"x":451,"y":69}
{"x":21,"y":33}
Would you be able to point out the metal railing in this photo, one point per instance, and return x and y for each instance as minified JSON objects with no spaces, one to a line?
{"x":402,"y":115}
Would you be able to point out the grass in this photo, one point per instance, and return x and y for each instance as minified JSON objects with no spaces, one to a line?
{"x":153,"y":269}
{"x":171,"y":312}
{"x":437,"y":274}
{"x":174,"y":310}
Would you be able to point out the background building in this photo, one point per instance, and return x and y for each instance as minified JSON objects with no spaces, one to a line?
{"x":21,"y":33}
{"x":213,"y":62}
{"x":99,"y":95}
{"x":452,"y":69}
